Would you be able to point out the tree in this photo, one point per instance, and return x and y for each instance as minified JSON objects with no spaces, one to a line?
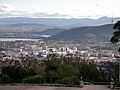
{"x":51,"y":73}
{"x":116,"y":39}
{"x":116,"y":35}
{"x":113,"y":71}
{"x":90,"y":72}
{"x":17,"y":73}
{"x":66,"y":70}
{"x":55,"y":70}
{"x":16,"y":70}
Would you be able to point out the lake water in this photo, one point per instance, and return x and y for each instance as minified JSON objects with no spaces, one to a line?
{"x":18,"y":39}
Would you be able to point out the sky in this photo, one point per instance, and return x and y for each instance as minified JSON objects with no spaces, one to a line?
{"x":59,"y":8}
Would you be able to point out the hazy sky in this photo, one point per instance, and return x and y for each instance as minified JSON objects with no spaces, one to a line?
{"x":59,"y":8}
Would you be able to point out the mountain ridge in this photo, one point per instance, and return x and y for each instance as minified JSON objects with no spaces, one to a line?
{"x":104,"y":31}
{"x":72,"y":22}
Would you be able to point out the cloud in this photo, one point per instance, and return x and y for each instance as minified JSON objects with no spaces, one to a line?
{"x":85,"y":16}
{"x":6,"y":7}
{"x":49,"y":15}
{"x":5,"y":15}
{"x":7,"y":10}
{"x":16,"y":13}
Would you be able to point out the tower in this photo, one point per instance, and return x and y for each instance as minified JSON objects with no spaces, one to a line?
{"x":112,"y":19}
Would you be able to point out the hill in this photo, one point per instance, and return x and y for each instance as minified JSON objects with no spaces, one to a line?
{"x":24,"y":27}
{"x":82,"y":33}
{"x":53,"y":31}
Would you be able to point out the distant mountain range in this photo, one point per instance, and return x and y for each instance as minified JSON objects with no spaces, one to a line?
{"x":60,"y":28}
{"x":24,"y":27}
{"x":89,"y":32}
{"x":62,"y":22}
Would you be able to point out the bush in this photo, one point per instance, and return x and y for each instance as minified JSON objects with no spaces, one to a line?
{"x":69,"y":81}
{"x":34,"y":79}
{"x":5,"y":79}
{"x":76,"y":80}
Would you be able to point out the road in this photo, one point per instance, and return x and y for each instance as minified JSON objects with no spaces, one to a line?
{"x":86,"y":87}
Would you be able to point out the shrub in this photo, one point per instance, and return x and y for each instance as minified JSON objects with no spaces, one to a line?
{"x":34,"y":79}
{"x":76,"y":80}
{"x":69,"y":81}
{"x":5,"y":79}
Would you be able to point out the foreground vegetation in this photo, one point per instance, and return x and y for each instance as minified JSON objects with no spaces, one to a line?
{"x":67,"y":71}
